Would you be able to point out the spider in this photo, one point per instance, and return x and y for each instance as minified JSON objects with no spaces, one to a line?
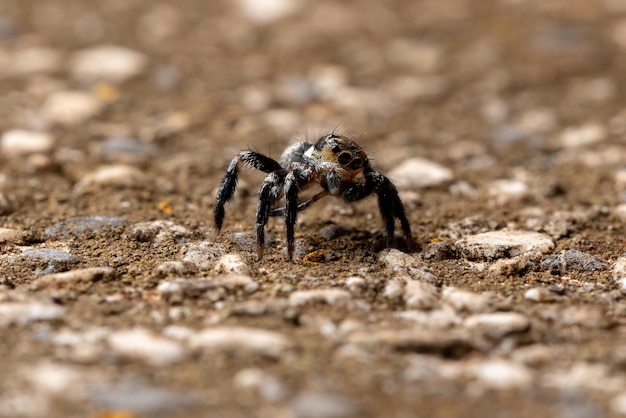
{"x":335,"y":162}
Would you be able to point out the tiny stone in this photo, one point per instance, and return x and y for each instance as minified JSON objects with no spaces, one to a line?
{"x":498,"y":324}
{"x":203,"y":254}
{"x":502,"y":374}
{"x":355,"y":284}
{"x":73,"y":276}
{"x":267,"y":11}
{"x":8,"y":235}
{"x":268,"y":343}
{"x":170,"y":268}
{"x":328,"y":296}
{"x":23,"y":313}
{"x":466,"y":301}
{"x":420,"y":295}
{"x":503,"y":244}
{"x":143,"y":345}
{"x":619,"y":272}
{"x":439,"y":251}
{"x":437,"y":319}
{"x":583,"y":135}
{"x":232,"y":263}
{"x":415,"y":173}
{"x":20,"y":142}
{"x":402,"y":263}
{"x":573,"y":260}
{"x":119,"y":176}
{"x":267,"y":386}
{"x":515,"y":265}
{"x":53,"y":259}
{"x":323,"y":405}
{"x":35,"y":60}
{"x":158,"y":232}
{"x":540,"y":294}
{"x":54,"y":378}
{"x":77,"y":227}
{"x":107,"y":63}
{"x":70,"y":107}
{"x":504,"y":191}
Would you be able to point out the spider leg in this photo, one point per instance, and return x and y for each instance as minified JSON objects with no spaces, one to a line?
{"x":229,"y":182}
{"x":282,"y":210}
{"x":269,"y":193}
{"x":389,"y":203}
{"x":299,"y":175}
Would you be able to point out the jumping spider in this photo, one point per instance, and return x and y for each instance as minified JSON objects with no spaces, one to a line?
{"x":337,"y":163}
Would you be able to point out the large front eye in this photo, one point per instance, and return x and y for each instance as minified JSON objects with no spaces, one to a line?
{"x":356,"y":164}
{"x":344,"y":158}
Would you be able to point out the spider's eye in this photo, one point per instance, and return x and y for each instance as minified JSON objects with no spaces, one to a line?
{"x":356,"y":164}
{"x":336,"y":149}
{"x":344,"y":158}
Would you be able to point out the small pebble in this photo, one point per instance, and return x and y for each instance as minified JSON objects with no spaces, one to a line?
{"x":232,"y":263}
{"x":466,"y":301}
{"x":118,"y":176}
{"x":498,"y":324}
{"x":55,"y":378}
{"x":70,"y":107}
{"x":436,"y":319}
{"x":48,"y":260}
{"x":171,"y":268}
{"x":24,"y":313}
{"x":159,"y":232}
{"x":503,"y":244}
{"x":573,"y":260}
{"x":322,"y":405}
{"x":502,"y":374}
{"x":197,"y":286}
{"x":619,"y":272}
{"x":328,"y":296}
{"x":355,"y":284}
{"x":505,"y":191}
{"x":540,"y":294}
{"x":143,"y":345}
{"x":203,"y":254}
{"x":403,"y":264}
{"x":264,"y":12}
{"x":268,"y":343}
{"x":415,"y":173}
{"x":8,"y":235}
{"x":267,"y":386}
{"x":420,"y":295}
{"x":78,"y":227}
{"x":107,"y":63}
{"x":70,"y":278}
{"x":21,"y":142}
{"x":394,"y":289}
{"x":30,"y":61}
{"x":582,"y":135}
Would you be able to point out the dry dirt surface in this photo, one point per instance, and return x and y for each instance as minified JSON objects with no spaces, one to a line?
{"x":502,"y":122}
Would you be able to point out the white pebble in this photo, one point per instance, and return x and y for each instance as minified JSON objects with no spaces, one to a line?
{"x":8,"y":235}
{"x":119,"y":176}
{"x":504,"y":191}
{"x":203,"y":254}
{"x":54,"y":378}
{"x":108,"y":63}
{"x":540,"y":294}
{"x":503,"y":244}
{"x":143,"y":345}
{"x":20,"y":142}
{"x":70,"y":107}
{"x":501,"y":374}
{"x":394,"y":289}
{"x":438,"y":318}
{"x":71,"y":277}
{"x":355,"y":284}
{"x":619,"y":271}
{"x":498,"y":324}
{"x":267,"y":11}
{"x":23,"y":313}
{"x":618,"y":404}
{"x":232,"y":263}
{"x":583,"y":135}
{"x":159,"y":231}
{"x":267,"y":386}
{"x":465,"y":300}
{"x":269,"y":343}
{"x":420,"y":295}
{"x":35,"y":60}
{"x":419,"y":173}
{"x":403,"y":263}
{"x":328,"y":296}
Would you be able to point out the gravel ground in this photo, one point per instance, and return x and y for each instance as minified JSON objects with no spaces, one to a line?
{"x":502,"y":122}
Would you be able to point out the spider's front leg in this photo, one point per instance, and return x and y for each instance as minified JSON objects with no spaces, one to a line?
{"x":298,"y":176}
{"x":229,"y":182}
{"x":389,"y":203}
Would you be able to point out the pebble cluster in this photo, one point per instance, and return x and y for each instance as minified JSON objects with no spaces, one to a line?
{"x":115,"y":299}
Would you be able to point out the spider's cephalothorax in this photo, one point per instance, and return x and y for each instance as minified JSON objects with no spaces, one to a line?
{"x":338,"y":164}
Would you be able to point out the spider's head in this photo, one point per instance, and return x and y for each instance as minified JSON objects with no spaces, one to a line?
{"x":343,"y":152}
